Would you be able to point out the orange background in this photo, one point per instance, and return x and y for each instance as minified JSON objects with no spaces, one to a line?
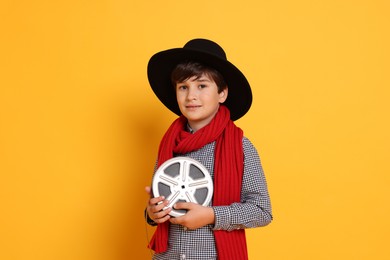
{"x":80,"y":126}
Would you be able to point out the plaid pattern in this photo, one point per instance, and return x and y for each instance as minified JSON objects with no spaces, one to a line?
{"x":254,"y":210}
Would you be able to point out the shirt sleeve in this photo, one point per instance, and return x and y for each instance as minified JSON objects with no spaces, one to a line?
{"x":254,"y":209}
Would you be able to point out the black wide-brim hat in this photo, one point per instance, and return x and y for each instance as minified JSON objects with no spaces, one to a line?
{"x":209,"y":53}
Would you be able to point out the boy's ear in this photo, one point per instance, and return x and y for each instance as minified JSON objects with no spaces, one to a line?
{"x":223,"y":95}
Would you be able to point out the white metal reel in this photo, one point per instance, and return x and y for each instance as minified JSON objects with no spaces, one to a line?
{"x":183,"y":179}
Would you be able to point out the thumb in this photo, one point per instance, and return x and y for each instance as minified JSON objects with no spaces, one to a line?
{"x":182,"y":205}
{"x":148,"y":189}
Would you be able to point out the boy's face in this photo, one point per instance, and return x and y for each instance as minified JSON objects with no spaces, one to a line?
{"x":199,"y":100}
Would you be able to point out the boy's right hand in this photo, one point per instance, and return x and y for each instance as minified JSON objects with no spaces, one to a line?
{"x":155,"y":208}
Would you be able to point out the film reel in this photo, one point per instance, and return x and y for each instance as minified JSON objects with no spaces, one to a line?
{"x":183,"y":179}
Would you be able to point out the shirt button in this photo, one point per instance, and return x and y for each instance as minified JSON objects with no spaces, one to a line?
{"x":182,"y":256}
{"x":185,"y":229}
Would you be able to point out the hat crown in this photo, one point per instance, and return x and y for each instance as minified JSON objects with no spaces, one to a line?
{"x":207,"y":46}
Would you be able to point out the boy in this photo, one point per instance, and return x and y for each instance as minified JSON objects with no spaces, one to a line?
{"x":208,"y":93}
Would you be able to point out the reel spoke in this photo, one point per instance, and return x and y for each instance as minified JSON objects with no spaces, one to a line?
{"x":168,"y":180}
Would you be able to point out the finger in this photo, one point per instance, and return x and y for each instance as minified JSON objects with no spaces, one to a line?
{"x":156,"y":200}
{"x":173,"y":221}
{"x":183,"y":205}
{"x":177,"y":220}
{"x":163,"y":219}
{"x":161,"y":214}
{"x":160,"y":206}
{"x":148,"y":189}
{"x":155,"y":208}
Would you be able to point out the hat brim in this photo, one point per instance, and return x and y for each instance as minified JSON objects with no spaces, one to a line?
{"x":161,"y":65}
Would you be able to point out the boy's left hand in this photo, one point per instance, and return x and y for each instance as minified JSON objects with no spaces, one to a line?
{"x":197,"y":215}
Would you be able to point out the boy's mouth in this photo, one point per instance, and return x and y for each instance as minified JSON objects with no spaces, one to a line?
{"x":192,"y":106}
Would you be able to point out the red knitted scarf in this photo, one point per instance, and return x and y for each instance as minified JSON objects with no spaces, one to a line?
{"x":228,"y":170}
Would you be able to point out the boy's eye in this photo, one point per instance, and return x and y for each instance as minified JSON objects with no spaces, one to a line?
{"x":182,"y":87}
{"x":202,"y":86}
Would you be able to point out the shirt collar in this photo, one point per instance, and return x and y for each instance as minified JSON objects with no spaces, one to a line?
{"x":189,"y":129}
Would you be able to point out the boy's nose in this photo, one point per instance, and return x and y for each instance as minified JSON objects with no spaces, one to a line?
{"x":191,"y":94}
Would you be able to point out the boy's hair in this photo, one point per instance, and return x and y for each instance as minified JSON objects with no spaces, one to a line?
{"x":188,"y":69}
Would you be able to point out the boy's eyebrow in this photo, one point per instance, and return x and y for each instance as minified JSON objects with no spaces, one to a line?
{"x":199,"y":79}
{"x":202,"y":79}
